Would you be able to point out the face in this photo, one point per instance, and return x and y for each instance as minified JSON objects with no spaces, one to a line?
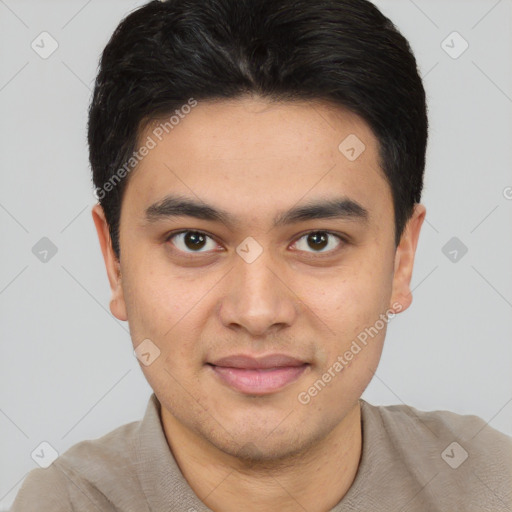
{"x":255,"y":257}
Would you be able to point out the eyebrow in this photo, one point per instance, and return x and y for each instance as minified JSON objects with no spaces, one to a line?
{"x":179,"y":206}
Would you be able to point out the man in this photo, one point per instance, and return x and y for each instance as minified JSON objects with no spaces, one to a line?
{"x":259,"y":168}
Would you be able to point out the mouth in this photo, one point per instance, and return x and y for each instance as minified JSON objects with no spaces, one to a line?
{"x":258,"y":376}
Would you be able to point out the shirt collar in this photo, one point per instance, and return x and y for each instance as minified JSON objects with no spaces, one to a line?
{"x":163,"y":483}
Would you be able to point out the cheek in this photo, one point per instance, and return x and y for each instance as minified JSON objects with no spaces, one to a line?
{"x":156,"y":297}
{"x":151,"y":311}
{"x":351,"y":302}
{"x":166,"y":309}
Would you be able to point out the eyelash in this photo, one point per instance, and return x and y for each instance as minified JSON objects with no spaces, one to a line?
{"x":343,"y":240}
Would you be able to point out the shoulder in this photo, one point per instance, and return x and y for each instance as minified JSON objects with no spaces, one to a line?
{"x":112,"y":449}
{"x":441,"y":425}
{"x":84,"y":474}
{"x":469,"y":462}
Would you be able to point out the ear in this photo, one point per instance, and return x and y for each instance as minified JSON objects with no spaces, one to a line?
{"x":401,"y":296}
{"x":112,"y":264}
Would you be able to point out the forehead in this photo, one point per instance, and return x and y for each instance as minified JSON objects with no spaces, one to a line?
{"x":252,"y":155}
{"x":263,"y":129}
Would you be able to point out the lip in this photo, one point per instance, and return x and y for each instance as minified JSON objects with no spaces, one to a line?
{"x":258,"y":363}
{"x":258,"y":375}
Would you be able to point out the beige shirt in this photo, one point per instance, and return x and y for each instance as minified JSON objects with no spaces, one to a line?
{"x":411,"y":461}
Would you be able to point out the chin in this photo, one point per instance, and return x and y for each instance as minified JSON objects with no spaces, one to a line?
{"x":261,"y":454}
{"x":259,"y":446}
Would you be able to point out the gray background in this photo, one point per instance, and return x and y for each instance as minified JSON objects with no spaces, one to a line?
{"x":67,"y":368}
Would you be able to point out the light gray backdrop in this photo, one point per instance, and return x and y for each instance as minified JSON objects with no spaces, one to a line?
{"x":67,"y":368}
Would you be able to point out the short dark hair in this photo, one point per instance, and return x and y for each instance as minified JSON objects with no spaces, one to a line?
{"x":344,"y":51}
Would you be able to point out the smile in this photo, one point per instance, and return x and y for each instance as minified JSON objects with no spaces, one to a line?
{"x":258,"y":376}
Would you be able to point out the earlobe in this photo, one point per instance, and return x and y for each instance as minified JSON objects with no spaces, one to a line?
{"x":401,"y":296}
{"x":112,"y":264}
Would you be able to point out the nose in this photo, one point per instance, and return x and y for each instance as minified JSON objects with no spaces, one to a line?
{"x":258,"y":298}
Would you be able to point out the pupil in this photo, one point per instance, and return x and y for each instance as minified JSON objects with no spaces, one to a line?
{"x":319,"y":239}
{"x":196,"y":240}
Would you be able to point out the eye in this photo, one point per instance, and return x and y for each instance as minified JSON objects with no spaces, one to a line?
{"x":192,"y":241}
{"x":319,"y":241}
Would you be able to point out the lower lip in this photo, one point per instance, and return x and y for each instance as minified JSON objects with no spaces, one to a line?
{"x":259,"y":382}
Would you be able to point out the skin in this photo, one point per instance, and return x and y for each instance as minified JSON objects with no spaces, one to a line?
{"x":257,"y":159}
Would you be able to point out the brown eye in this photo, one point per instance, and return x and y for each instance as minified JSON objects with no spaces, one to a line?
{"x":319,"y":241}
{"x":192,"y":241}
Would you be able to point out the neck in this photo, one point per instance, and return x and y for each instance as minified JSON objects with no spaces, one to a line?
{"x":314,"y":480}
